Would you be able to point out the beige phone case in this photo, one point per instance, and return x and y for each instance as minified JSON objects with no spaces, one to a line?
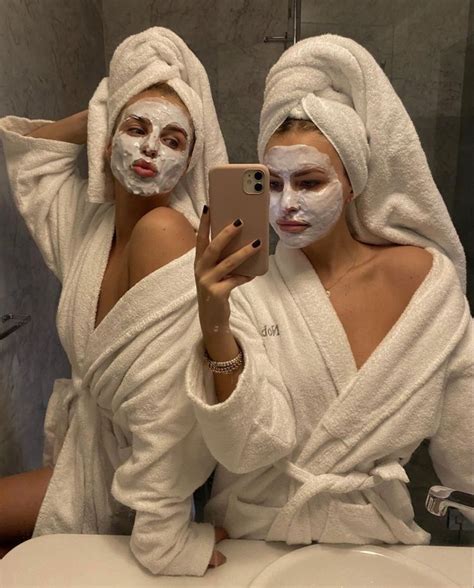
{"x":228,"y":200}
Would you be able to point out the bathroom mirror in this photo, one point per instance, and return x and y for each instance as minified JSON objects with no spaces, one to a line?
{"x":53,"y":55}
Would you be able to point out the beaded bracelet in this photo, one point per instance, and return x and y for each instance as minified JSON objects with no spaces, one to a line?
{"x":225,"y":367}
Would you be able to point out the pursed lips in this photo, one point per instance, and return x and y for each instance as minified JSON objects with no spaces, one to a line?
{"x":144,"y":168}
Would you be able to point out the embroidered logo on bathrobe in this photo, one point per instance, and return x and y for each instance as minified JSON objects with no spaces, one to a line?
{"x":270,"y":331}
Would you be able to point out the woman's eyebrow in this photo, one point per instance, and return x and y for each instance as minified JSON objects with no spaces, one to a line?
{"x":308,"y":169}
{"x":140,"y":119}
{"x":273,"y":172}
{"x":175,"y":127}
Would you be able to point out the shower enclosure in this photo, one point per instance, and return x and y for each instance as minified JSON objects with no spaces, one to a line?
{"x":54,"y":53}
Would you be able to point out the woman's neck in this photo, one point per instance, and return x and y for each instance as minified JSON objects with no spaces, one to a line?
{"x":129,"y":209}
{"x":335,"y":252}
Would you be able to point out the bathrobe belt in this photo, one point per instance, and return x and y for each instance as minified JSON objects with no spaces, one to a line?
{"x":314,"y":484}
{"x":63,"y":408}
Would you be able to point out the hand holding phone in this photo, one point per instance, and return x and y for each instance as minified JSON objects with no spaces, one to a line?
{"x":214,"y":276}
{"x":214,"y":283}
{"x":228,"y":260}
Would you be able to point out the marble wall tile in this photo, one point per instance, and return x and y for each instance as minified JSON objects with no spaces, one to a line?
{"x":245,"y":22}
{"x":243,"y":64}
{"x":123,"y":18}
{"x":241,"y":80}
{"x":52,"y":60}
{"x":348,"y":12}
{"x":53,"y":51}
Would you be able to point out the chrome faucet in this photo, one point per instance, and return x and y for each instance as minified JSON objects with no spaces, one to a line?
{"x":440,"y":498}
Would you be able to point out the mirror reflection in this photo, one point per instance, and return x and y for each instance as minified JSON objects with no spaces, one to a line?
{"x":241,"y":233}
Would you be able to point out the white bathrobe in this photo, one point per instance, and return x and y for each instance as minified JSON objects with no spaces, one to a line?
{"x":313,"y":449}
{"x":121,"y":433}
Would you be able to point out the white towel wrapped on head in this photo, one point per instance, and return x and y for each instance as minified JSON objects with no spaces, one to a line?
{"x":343,"y":90}
{"x":153,"y":56}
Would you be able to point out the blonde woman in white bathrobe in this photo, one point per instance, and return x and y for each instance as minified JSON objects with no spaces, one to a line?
{"x":357,"y":343}
{"x":123,"y":453}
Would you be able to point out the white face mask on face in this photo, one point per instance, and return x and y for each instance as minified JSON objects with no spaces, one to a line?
{"x":141,"y":161}
{"x":302,"y":216}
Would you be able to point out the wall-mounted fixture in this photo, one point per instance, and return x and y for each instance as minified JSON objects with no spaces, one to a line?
{"x":11,"y":322}
{"x":294,"y":13}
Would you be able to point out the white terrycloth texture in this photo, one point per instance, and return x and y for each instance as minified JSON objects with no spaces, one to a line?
{"x":153,"y":56}
{"x":347,"y":95}
{"x":311,"y":448}
{"x":121,"y":433}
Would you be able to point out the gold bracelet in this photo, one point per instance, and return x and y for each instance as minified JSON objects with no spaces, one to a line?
{"x":224,"y":367}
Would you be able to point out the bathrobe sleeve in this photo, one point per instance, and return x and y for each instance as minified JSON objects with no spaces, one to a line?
{"x":47,"y":188}
{"x":452,"y":446}
{"x":166,"y":459}
{"x":168,"y":462}
{"x":255,"y":426}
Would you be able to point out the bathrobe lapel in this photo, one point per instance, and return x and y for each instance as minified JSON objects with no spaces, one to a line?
{"x":72,"y":424}
{"x":432,"y":307}
{"x":310,"y":298}
{"x":145,"y":317}
{"x":81,"y":288}
{"x":419,"y":343}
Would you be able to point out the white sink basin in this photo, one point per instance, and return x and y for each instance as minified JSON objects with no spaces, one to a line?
{"x":322,"y":566}
{"x":89,"y":561}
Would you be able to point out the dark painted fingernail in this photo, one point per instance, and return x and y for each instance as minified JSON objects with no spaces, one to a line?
{"x":256,"y":243}
{"x":205,"y":208}
{"x":237,"y":222}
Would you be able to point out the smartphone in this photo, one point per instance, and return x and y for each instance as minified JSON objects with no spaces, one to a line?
{"x":241,"y":190}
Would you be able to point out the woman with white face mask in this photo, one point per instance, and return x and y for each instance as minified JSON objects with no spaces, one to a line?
{"x":324,"y":375}
{"x":123,"y":453}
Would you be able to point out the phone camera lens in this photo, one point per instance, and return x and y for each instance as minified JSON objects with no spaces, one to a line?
{"x":258,"y":175}
{"x":258,"y":187}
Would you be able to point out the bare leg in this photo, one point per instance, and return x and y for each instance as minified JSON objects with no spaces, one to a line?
{"x":21,"y":496}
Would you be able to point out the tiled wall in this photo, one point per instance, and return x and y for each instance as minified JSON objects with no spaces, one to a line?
{"x":51,"y":60}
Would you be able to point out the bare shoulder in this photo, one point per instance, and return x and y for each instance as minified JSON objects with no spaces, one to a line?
{"x":159,"y":237}
{"x":406,"y":266}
